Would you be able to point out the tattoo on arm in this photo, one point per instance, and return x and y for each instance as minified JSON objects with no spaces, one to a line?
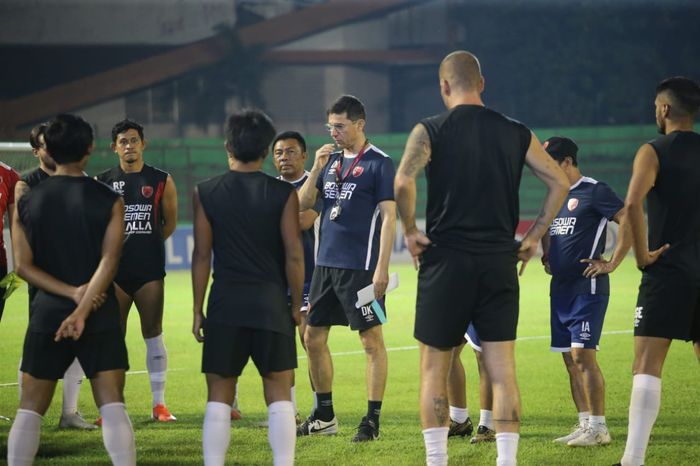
{"x":442,"y":411}
{"x":417,"y":153}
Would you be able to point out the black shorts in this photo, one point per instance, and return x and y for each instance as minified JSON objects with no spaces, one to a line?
{"x":333,"y":296}
{"x":456,"y":288}
{"x":227,"y":349}
{"x":44,"y":358}
{"x":131,"y":285}
{"x":668,"y":304}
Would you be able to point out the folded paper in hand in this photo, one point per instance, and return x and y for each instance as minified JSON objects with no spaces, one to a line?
{"x":366,"y":294}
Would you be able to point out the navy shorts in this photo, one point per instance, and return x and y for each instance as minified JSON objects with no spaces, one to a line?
{"x":473,"y":338}
{"x":304,"y":298}
{"x":577,"y":321}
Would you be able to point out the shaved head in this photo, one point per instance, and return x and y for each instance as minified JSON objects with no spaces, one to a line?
{"x":462,"y":71}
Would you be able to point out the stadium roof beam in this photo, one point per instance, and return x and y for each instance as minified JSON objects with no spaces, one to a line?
{"x":414,"y":56}
{"x":126,"y":78}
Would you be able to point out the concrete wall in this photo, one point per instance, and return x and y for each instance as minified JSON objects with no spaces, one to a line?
{"x":94,"y":22}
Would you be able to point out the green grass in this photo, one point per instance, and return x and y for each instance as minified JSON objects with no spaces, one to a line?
{"x":547,"y":412}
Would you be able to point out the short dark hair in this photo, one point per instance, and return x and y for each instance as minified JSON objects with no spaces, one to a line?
{"x":559,"y":148}
{"x":68,"y":138}
{"x":684,"y":91}
{"x":124,"y":126}
{"x":248,"y":135}
{"x":350,"y":105}
{"x":291,"y":135}
{"x":34,"y":134}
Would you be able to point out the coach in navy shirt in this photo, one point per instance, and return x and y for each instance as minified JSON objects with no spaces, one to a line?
{"x":580,"y":287}
{"x":358,"y":224}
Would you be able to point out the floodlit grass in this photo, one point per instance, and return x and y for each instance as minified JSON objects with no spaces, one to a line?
{"x":548,"y":411}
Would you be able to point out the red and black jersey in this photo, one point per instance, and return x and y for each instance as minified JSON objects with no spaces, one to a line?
{"x":8,"y":179}
{"x":143,"y":256}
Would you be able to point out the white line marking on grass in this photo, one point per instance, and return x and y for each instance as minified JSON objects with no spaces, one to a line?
{"x":406,"y":348}
{"x":14,"y":384}
{"x":355,"y":353}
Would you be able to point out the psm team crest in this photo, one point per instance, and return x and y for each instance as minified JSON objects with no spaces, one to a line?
{"x":572,"y":204}
{"x":357,"y":171}
{"x":147,"y":191}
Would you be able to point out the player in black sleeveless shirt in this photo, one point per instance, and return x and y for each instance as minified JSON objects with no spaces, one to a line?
{"x":73,"y":377}
{"x":150,"y":217}
{"x":473,"y":159}
{"x":666,"y":172}
{"x":74,"y":312}
{"x":250,"y":221}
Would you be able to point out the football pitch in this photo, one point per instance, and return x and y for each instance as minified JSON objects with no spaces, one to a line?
{"x":547,"y":408}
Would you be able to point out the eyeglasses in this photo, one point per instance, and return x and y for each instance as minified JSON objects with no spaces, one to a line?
{"x":339,"y":127}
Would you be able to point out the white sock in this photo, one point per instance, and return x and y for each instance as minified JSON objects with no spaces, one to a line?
{"x":216,"y":433}
{"x":459,"y":415}
{"x":435,"y":440}
{"x":644,"y":407}
{"x":23,"y":440}
{"x":72,"y":379}
{"x":583,"y":418}
{"x":596,"y":421}
{"x":157,"y":365}
{"x":293,"y":395}
{"x":282,"y":432}
{"x":118,"y":434}
{"x":507,"y":448}
{"x":234,"y":405}
{"x":19,"y":378}
{"x":486,"y":418}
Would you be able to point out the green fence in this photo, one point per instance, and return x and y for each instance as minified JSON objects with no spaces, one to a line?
{"x":606,"y":153}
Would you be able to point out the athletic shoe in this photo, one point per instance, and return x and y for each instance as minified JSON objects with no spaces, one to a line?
{"x":74,"y":421}
{"x":462,"y":429}
{"x":5,"y":418}
{"x":161,"y":414}
{"x":297,"y":420}
{"x":366,"y":431}
{"x":483,"y":434}
{"x":593,"y":436}
{"x":312,"y":426}
{"x":578,"y":430}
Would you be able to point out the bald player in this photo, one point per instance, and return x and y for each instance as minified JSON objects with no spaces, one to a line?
{"x":468,"y":255}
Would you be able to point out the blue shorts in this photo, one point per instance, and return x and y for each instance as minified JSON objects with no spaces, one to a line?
{"x":577,"y":321}
{"x":472,"y":338}
{"x":304,"y":298}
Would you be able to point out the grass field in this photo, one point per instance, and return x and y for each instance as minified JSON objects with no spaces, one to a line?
{"x":547,"y":412}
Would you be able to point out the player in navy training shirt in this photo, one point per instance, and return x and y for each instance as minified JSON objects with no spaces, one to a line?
{"x":580,"y":289}
{"x":358,"y":224}
{"x":289,"y":151}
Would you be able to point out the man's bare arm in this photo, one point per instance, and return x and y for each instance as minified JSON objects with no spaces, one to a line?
{"x":415,"y":157}
{"x":201,"y":264}
{"x":169,"y":207}
{"x":644,"y":172}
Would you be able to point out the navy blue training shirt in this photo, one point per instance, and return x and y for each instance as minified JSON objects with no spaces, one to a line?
{"x":578,"y":232}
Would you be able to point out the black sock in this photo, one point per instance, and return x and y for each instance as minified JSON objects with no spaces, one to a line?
{"x":324,"y":411}
{"x":374,"y":408}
